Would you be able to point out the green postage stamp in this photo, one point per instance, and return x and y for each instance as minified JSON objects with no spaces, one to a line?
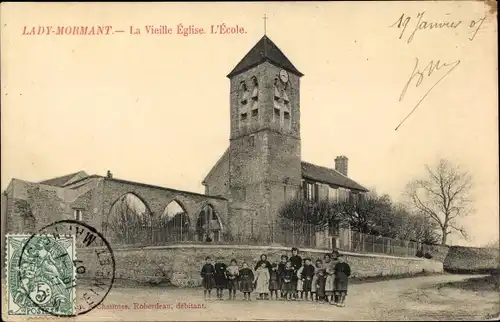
{"x":40,"y":275}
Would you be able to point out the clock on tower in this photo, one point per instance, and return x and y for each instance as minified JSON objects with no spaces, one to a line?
{"x":284,"y":76}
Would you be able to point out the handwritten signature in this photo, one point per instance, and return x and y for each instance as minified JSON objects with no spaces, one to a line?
{"x":420,"y":76}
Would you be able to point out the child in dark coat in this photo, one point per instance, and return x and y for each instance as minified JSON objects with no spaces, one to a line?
{"x":307,"y":277}
{"x":220,"y":277}
{"x":246,"y":281}
{"x":296,"y":261}
{"x":281,"y":269}
{"x":287,"y":278}
{"x":274,"y":277}
{"x":342,"y":273}
{"x":207,"y":277}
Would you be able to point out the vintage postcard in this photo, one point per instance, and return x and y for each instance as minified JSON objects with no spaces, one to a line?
{"x":250,"y":161}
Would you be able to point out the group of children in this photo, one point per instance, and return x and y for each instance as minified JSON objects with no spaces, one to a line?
{"x":293,"y":278}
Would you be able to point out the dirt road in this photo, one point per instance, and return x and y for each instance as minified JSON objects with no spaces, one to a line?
{"x":404,"y":299}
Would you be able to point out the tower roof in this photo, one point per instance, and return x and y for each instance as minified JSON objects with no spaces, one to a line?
{"x":264,"y":50}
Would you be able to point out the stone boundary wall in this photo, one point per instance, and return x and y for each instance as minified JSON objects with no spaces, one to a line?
{"x":181,"y":264}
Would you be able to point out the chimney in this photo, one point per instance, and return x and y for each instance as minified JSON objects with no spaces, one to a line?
{"x":341,"y":164}
{"x":109,"y":175}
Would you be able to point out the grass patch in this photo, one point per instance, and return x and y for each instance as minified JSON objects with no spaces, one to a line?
{"x":490,"y":283}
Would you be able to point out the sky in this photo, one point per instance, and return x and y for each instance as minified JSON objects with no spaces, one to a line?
{"x":155,"y":108}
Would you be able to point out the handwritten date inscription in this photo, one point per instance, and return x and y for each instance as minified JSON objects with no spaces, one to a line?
{"x":421,"y":25}
{"x":418,"y":76}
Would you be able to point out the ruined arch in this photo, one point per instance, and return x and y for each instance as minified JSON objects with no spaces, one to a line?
{"x":173,"y":225}
{"x":208,"y":224}
{"x":129,"y":220}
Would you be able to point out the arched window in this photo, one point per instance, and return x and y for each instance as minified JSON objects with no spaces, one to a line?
{"x":173,"y":225}
{"x":129,"y":220}
{"x":208,"y":225}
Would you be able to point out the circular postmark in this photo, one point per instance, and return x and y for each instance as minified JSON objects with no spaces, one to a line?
{"x":65,"y":269}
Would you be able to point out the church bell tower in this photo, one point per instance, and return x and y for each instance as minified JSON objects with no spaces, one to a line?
{"x":264,"y":152}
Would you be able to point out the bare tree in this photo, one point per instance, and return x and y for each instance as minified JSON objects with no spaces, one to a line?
{"x":443,"y":196}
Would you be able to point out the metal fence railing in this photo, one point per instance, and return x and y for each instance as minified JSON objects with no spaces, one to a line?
{"x":365,"y":243}
{"x":288,"y":234}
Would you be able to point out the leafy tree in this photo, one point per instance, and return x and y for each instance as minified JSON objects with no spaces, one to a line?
{"x":370,"y":215}
{"x":303,"y":211}
{"x":408,"y":225}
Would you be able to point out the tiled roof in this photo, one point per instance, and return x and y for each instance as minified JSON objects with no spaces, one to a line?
{"x":264,"y":50}
{"x":61,"y":181}
{"x":329,"y":176}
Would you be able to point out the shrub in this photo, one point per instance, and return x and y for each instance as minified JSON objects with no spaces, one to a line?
{"x":419,"y":253}
{"x":428,"y":255}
